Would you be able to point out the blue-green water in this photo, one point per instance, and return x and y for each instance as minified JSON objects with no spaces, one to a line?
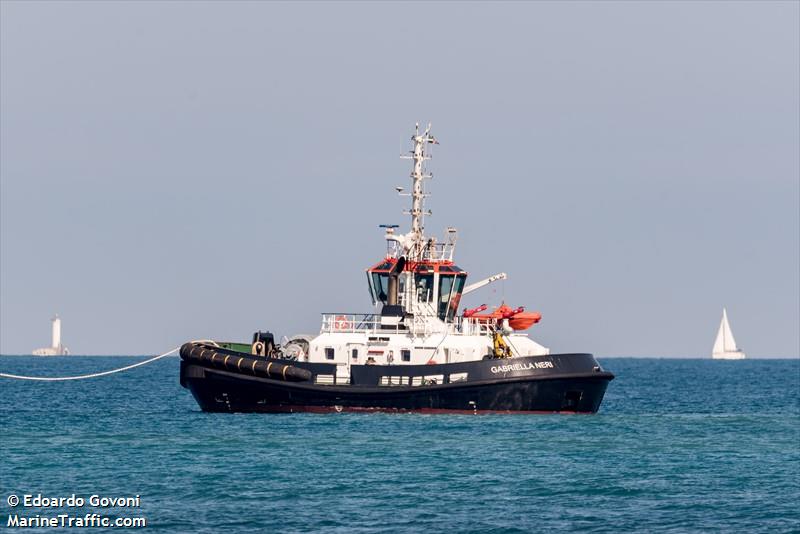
{"x":679,"y":445}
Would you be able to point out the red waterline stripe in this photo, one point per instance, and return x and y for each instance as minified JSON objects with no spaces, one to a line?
{"x":357,"y":409}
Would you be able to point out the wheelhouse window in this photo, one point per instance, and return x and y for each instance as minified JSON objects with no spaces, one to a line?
{"x":445,"y":290}
{"x":329,"y":353}
{"x":450,"y":287}
{"x":424,"y":287}
{"x":455,"y":300}
{"x":380,"y":285}
{"x":401,"y":289}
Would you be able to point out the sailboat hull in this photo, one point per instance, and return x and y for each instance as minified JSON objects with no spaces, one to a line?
{"x":737,"y":355}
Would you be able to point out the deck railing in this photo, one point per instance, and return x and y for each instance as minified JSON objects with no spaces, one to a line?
{"x":371,"y":323}
{"x":350,"y":322}
{"x":434,"y":252}
{"x":439,"y":252}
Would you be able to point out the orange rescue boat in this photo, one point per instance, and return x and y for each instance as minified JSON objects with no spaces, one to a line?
{"x":518,"y":318}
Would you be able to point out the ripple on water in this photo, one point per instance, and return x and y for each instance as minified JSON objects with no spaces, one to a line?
{"x":677,"y":446}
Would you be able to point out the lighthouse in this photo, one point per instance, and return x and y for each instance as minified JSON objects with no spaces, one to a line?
{"x":56,"y":348}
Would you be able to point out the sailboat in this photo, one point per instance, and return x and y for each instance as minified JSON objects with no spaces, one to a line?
{"x":725,"y":345}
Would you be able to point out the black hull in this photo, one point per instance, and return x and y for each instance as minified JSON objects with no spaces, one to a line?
{"x":573,"y":383}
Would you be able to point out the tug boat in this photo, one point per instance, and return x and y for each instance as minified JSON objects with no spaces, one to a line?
{"x":415,"y":352}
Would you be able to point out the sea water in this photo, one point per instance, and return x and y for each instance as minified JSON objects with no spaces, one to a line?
{"x":678,"y":445}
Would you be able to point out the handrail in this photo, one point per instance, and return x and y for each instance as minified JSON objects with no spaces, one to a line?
{"x":439,"y":252}
{"x":435,"y":252}
{"x":371,"y":323}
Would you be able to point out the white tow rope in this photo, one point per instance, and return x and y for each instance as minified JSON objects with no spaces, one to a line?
{"x":93,"y":375}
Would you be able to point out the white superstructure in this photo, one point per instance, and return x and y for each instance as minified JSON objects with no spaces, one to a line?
{"x":725,"y":345}
{"x":416,"y":290}
{"x":56,"y":348}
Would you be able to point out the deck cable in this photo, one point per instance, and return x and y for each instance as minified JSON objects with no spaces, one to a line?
{"x":92,"y":375}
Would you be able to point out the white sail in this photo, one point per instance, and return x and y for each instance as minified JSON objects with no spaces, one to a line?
{"x":725,"y":344}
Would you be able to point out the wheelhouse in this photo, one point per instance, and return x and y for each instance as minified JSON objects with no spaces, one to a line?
{"x":432,"y":286}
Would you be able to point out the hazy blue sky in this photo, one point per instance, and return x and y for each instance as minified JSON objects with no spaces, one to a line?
{"x":173,"y":171}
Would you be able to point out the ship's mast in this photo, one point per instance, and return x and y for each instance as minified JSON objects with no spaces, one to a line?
{"x":415,"y":240}
{"x":414,"y":245}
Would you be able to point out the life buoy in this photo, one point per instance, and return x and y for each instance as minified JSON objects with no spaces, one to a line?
{"x":341,"y":323}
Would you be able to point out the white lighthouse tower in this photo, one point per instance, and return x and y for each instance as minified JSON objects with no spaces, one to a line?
{"x":55,"y":348}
